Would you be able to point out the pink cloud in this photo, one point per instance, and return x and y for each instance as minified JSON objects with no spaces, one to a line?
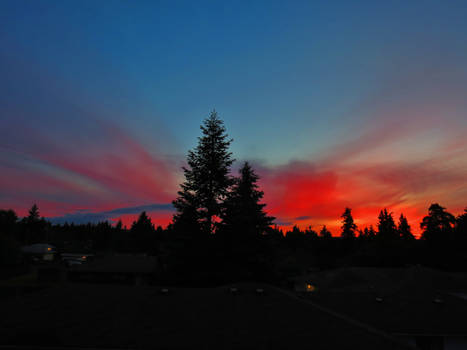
{"x":111,"y":171}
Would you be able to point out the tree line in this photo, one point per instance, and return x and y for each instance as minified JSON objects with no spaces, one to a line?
{"x":221,"y":231}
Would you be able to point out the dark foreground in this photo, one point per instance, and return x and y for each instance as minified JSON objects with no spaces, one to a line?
{"x":135,"y":317}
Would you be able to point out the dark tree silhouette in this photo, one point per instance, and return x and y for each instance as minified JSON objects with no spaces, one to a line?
{"x":119,"y":225}
{"x":219,"y":259}
{"x":9,"y":246}
{"x":34,"y":227}
{"x":295,"y":232}
{"x":294,"y":238}
{"x":243,"y":211}
{"x":207,"y":179}
{"x":187,"y":218}
{"x":386,"y":226}
{"x":143,"y":234}
{"x":325,"y":233}
{"x":142,"y":225}
{"x":348,"y":225}
{"x":310,"y":233}
{"x":8,"y":219}
{"x":368,"y":232}
{"x":438,"y":225}
{"x":403,"y":228}
{"x":34,"y":215}
{"x":461,"y":226}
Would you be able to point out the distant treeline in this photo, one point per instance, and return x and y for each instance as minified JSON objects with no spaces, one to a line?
{"x":221,"y":231}
{"x":247,"y":254}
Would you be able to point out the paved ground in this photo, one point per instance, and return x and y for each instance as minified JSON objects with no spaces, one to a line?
{"x":203,"y":318}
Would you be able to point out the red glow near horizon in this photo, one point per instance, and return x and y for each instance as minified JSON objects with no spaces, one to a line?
{"x":299,"y":194}
{"x":303,"y":193}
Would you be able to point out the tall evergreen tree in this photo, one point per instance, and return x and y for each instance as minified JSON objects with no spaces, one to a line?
{"x":243,"y":210}
{"x":348,"y":225}
{"x":386,"y":226}
{"x":403,"y":228}
{"x":207,"y":179}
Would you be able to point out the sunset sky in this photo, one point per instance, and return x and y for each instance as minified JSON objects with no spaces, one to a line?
{"x":335,"y":103}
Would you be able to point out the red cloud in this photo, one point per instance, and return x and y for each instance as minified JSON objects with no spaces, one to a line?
{"x":367,"y":175}
{"x":298,"y":190}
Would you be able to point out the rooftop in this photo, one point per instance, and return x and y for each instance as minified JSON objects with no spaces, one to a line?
{"x":120,"y":263}
{"x":430,"y":313}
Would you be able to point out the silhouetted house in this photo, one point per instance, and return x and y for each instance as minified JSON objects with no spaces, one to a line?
{"x":71,"y":259}
{"x":39,"y":251}
{"x":120,"y":269}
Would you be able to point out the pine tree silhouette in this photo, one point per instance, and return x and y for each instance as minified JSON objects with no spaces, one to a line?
{"x":34,"y":215}
{"x":207,"y":179}
{"x":348,"y":225}
{"x":386,"y":226}
{"x":403,"y":228}
{"x":243,"y":211}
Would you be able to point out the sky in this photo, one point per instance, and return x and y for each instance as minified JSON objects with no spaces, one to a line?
{"x":358,"y":104}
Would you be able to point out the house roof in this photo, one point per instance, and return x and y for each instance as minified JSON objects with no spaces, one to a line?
{"x":385,"y":280}
{"x":413,"y":300}
{"x":38,"y":248}
{"x":120,"y":263}
{"x":427,"y":312}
